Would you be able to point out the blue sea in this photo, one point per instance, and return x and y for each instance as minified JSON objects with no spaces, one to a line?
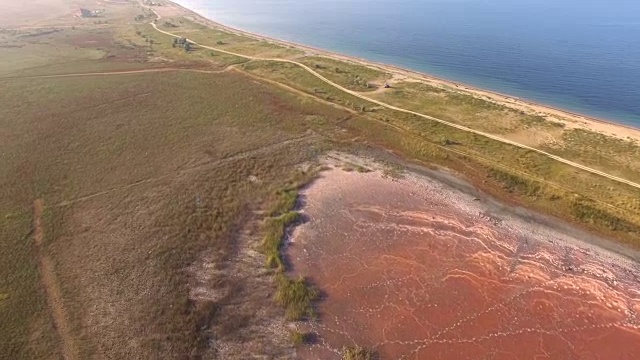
{"x":579,"y":55}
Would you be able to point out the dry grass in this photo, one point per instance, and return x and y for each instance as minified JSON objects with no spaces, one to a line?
{"x":352,"y":76}
{"x":166,"y":150}
{"x":228,"y":41}
{"x":603,"y":152}
{"x":616,"y":156}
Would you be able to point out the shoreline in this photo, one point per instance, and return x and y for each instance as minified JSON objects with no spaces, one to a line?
{"x":569,"y":118}
{"x":499,"y":207}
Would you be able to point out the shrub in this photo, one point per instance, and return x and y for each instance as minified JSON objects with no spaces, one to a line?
{"x":286,"y":201}
{"x":299,"y":338}
{"x":357,"y":353}
{"x":515,"y":183}
{"x":274,"y":234}
{"x":297,"y":297}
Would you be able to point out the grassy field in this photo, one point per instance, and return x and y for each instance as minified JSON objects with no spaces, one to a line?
{"x":352,"y":76}
{"x":227,"y":41}
{"x":167,"y":194}
{"x":168,"y":144}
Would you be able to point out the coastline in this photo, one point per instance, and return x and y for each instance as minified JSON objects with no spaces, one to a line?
{"x":569,"y":118}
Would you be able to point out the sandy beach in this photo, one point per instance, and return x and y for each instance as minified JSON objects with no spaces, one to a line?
{"x":570,"y":119}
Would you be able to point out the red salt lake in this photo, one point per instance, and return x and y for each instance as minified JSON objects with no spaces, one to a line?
{"x":417,"y":270}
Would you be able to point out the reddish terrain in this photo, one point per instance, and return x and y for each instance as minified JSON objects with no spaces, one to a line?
{"x":417,"y":270}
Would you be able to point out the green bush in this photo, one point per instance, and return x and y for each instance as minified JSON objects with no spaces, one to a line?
{"x":286,"y":201}
{"x":357,"y":353}
{"x":299,"y":338}
{"x":275,"y":228}
{"x":297,"y":296}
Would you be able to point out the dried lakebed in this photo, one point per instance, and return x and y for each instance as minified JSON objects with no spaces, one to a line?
{"x":416,"y":269}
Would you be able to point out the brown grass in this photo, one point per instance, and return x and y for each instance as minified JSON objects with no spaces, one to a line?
{"x":177,"y":184}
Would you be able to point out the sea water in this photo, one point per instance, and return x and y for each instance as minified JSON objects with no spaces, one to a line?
{"x":578,"y":55}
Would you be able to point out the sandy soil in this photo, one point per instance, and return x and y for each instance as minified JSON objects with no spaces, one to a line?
{"x":418,"y":270}
{"x":571,"y":120}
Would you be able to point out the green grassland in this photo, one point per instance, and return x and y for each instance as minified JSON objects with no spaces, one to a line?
{"x":352,"y":76}
{"x":144,"y":174}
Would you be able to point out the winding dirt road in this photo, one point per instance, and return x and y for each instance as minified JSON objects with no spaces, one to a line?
{"x":395,"y":108}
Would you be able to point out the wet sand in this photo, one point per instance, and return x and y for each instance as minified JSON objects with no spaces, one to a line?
{"x":419,"y":270}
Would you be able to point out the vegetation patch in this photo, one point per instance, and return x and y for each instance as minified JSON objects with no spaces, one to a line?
{"x":275,"y":228}
{"x":286,"y":201}
{"x":587,"y":212}
{"x":515,"y":183}
{"x":352,"y":76}
{"x":295,"y":295}
{"x":355,"y":167}
{"x":300,"y":338}
{"x":358,"y":353}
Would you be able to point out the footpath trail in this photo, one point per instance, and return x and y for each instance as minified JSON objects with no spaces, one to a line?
{"x":395,"y":108}
{"x":52,"y":289}
{"x":122,"y":72}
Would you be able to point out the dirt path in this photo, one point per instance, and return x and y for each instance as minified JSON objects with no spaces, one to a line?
{"x":126,"y":72}
{"x":395,"y":108}
{"x":50,"y":284}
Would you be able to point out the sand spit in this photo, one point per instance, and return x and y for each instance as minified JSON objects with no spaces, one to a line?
{"x":570,"y":119}
{"x":418,"y":270}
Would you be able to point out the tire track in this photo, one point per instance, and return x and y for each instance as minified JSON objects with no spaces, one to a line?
{"x":52,"y":289}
